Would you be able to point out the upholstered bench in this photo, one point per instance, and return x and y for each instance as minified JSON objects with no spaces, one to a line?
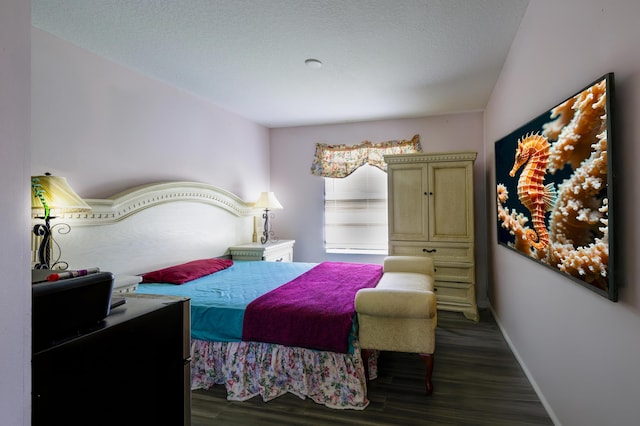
{"x":399,"y":314}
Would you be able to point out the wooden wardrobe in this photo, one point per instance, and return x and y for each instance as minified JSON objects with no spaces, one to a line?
{"x":431,"y":214}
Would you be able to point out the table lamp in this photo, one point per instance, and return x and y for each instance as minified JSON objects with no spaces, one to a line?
{"x":52,"y":195}
{"x":267,"y":201}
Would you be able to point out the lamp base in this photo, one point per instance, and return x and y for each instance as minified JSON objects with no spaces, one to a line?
{"x":44,"y":250}
{"x":45,"y":231}
{"x":267,"y":234}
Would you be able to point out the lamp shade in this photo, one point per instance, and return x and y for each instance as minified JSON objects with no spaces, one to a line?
{"x":269,"y":201}
{"x":52,"y":195}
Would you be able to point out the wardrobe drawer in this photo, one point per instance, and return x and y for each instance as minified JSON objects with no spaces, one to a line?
{"x":455,"y":293}
{"x":455,"y":272}
{"x":450,"y":252}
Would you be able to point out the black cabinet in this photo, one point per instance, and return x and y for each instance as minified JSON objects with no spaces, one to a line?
{"x":132,"y":368}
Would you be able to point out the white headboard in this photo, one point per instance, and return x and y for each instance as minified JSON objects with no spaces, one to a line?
{"x":153,"y":226}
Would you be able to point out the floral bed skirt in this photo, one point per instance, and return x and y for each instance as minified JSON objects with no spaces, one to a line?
{"x":248,"y":369}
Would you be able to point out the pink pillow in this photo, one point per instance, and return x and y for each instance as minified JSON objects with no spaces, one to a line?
{"x":180,"y":274}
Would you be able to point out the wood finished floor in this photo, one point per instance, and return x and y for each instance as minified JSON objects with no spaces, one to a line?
{"x":476,"y":378}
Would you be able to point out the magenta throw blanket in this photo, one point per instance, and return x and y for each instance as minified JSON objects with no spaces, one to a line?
{"x":315,"y":310}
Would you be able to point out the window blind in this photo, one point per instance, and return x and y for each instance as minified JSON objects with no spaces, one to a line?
{"x":355,"y":212}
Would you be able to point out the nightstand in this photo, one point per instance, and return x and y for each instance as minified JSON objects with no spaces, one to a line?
{"x":123,"y":284}
{"x":276,"y":251}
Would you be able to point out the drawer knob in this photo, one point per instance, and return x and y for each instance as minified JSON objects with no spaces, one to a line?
{"x":425,"y":250}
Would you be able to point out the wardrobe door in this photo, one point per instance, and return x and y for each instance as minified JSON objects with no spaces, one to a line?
{"x":450,"y":201}
{"x":408,"y":202}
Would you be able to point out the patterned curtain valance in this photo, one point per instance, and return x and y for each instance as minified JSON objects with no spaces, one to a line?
{"x":338,"y":161}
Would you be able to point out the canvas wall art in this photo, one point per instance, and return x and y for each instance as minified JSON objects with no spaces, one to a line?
{"x":554,"y":188}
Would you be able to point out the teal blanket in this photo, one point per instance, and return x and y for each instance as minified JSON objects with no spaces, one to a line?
{"x":219,"y":300}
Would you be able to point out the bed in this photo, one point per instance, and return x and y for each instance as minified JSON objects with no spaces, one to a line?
{"x":241,"y":337}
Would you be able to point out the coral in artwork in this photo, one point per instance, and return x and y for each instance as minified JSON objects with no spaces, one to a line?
{"x":513,"y":221}
{"x":573,"y":144}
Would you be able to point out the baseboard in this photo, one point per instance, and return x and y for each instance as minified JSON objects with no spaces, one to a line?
{"x":527,"y":373}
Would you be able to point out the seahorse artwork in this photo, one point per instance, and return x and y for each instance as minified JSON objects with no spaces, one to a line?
{"x":533,"y":152}
{"x":569,"y":146}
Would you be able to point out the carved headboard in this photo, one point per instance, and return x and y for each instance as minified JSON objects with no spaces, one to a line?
{"x":153,"y":226}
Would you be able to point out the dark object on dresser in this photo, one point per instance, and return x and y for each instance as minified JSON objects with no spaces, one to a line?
{"x":131,"y":369}
{"x":67,"y":306}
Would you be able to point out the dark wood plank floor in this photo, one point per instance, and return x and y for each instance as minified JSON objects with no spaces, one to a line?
{"x":477,"y":382}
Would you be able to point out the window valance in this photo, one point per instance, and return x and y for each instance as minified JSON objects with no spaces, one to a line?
{"x":338,"y":161}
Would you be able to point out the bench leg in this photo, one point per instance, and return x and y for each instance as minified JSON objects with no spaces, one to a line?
{"x":366,"y":354}
{"x":428,"y":362}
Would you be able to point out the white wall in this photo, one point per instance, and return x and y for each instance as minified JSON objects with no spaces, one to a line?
{"x":15,"y":285}
{"x":580,"y":349}
{"x":107,"y":128}
{"x":301,"y":193}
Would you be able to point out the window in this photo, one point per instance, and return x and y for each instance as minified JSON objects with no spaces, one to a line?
{"x":355,"y":208}
{"x":355,"y":212}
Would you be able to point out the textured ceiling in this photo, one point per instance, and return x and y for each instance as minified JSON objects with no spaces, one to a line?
{"x":381,"y":58}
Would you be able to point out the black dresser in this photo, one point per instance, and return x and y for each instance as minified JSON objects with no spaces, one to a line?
{"x":132,"y":368}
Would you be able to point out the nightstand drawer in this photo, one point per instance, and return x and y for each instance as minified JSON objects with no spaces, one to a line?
{"x":284,"y":254}
{"x":277,"y":251}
